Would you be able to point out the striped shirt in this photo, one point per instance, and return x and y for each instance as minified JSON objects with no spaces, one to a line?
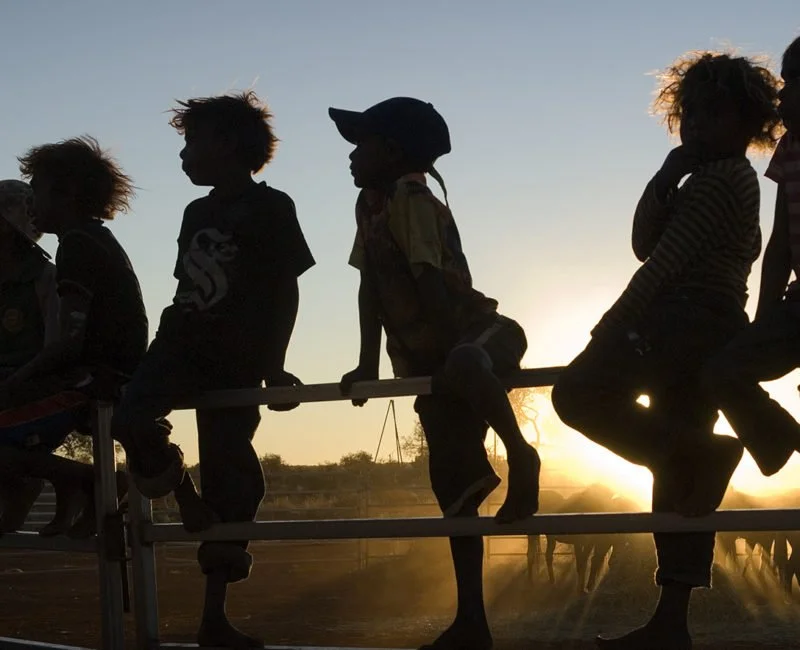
{"x":705,"y":236}
{"x":784,"y":169}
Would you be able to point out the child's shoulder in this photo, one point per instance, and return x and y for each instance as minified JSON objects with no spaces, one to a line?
{"x":411,"y":192}
{"x":736,"y":171}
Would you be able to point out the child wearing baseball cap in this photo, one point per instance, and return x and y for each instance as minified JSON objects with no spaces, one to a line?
{"x":417,"y":287}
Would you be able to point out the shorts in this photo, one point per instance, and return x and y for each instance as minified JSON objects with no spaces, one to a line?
{"x":459,"y":466}
{"x":45,"y":411}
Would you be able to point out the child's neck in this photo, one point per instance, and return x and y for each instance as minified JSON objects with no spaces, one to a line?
{"x":233,"y":186}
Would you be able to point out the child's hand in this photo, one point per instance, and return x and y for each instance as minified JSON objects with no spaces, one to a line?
{"x":359,"y":374}
{"x":681,"y":161}
{"x":283,"y":378}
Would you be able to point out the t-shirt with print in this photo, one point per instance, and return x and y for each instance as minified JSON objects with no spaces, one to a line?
{"x":231,"y":252}
{"x":397,"y":234}
{"x":90,"y":261}
{"x":784,"y":169}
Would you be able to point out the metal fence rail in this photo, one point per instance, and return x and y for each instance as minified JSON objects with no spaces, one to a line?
{"x":142,"y":533}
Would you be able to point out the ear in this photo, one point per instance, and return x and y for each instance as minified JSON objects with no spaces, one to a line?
{"x":394,"y":152}
{"x":228,"y":143}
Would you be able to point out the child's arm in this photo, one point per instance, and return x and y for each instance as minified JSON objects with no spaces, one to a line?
{"x":652,"y":212}
{"x":283,"y":310}
{"x":707,"y":217}
{"x":370,"y":349}
{"x":777,"y":264}
{"x":649,"y":222}
{"x":64,"y":350}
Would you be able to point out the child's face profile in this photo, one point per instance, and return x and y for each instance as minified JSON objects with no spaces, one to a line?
{"x":205,"y":155}
{"x":789,"y":107}
{"x":51,"y":205}
{"x":712,"y":127}
{"x":372,"y":163}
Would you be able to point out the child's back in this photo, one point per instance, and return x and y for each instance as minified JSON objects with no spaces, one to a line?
{"x":91,"y":261}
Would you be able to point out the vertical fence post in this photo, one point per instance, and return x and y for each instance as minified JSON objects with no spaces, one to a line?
{"x":143,"y":559}
{"x":110,"y":531}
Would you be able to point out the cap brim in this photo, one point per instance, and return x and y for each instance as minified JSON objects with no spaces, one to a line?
{"x":352,"y":125}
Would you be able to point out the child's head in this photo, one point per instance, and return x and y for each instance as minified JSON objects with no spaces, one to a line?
{"x":393,"y":138}
{"x":225,"y":136}
{"x":720,"y":104}
{"x":16,"y":216}
{"x":74,"y":180}
{"x":790,"y":93}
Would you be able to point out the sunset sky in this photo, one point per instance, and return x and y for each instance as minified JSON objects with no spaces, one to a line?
{"x":547,"y":103}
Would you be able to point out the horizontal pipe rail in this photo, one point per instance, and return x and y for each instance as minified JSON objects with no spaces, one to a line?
{"x":561,"y":524}
{"x":7,"y":643}
{"x":527,"y":378}
{"x":30,"y":541}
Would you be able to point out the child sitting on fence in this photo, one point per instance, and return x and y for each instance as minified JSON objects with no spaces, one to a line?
{"x":103,"y":326}
{"x":416,"y":285}
{"x":28,"y":320}
{"x":769,"y":348}
{"x":697,"y":243}
{"x":240,"y":253}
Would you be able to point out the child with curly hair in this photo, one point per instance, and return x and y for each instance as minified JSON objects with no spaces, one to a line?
{"x":769,"y":348}
{"x":697,"y":242}
{"x":77,"y":187}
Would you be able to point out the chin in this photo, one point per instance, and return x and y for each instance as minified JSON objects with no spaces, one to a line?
{"x":198,"y":180}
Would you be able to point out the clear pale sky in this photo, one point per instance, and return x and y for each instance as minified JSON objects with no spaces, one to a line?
{"x":547,"y":104}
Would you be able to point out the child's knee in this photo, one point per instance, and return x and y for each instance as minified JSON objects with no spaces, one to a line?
{"x":571,"y":398}
{"x":466,"y":365}
{"x":227,"y":557}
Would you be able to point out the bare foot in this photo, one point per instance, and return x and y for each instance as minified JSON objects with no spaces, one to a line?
{"x":159,"y":472}
{"x":221,"y":634}
{"x":648,"y":638}
{"x":17,"y":504}
{"x":712,"y":468}
{"x":462,"y":636}
{"x":195,"y":513}
{"x":522,"y":499}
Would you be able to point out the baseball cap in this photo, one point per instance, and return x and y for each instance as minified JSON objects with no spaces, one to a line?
{"x":414,"y":124}
{"x":16,"y":208}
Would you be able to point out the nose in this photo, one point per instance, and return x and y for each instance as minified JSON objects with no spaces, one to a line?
{"x":182,"y":154}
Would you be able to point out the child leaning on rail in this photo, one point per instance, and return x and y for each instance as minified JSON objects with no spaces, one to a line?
{"x":416,"y":285}
{"x":103,"y":326}
{"x":697,"y":243}
{"x":240,"y":253}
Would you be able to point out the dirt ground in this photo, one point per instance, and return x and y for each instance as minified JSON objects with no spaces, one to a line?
{"x":315,"y":594}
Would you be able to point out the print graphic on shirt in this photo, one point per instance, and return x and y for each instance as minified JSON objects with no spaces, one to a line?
{"x":206,"y":262}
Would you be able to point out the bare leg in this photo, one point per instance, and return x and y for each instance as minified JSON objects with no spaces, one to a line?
{"x":469,"y":374}
{"x":470,"y":629}
{"x":668,"y":628}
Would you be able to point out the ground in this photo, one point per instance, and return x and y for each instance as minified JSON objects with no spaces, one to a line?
{"x":316,"y":594}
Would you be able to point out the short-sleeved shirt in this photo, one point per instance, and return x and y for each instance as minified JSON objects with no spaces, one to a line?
{"x":784,"y":169}
{"x":398,"y":233}
{"x":90,"y":261}
{"x":231,"y":253}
